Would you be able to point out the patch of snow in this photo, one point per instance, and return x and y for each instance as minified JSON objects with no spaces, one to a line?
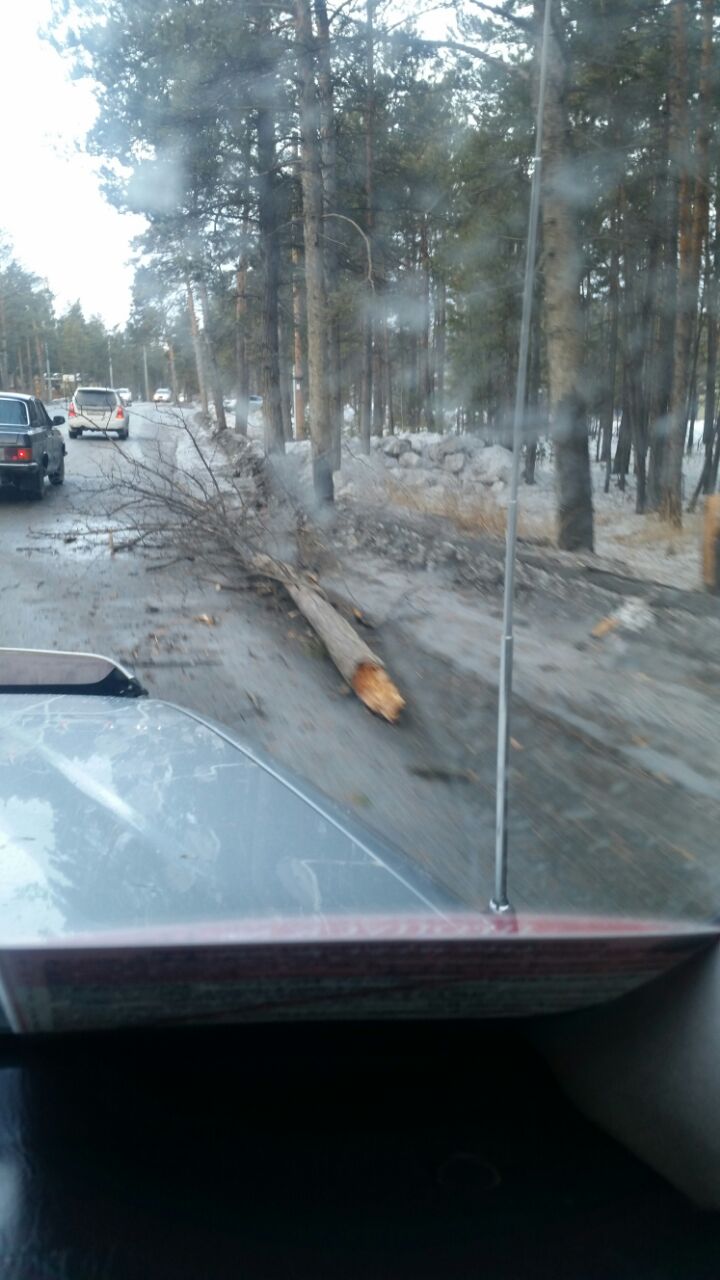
{"x":396,"y":445}
{"x":454,"y":462}
{"x":410,"y":459}
{"x":492,"y":464}
{"x":634,"y":614}
{"x":468,"y":470}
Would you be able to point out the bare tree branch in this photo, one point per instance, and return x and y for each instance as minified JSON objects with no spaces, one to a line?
{"x":427,"y":46}
{"x":505,"y":12}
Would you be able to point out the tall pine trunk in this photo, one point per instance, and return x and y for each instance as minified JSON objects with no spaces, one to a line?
{"x":328,"y":151}
{"x":635,"y":329}
{"x":439,"y":332}
{"x":712,"y":274}
{"x":286,"y":378}
{"x":532,"y":416}
{"x":212,"y":365}
{"x":366,"y":399}
{"x":378,"y":417}
{"x":270,"y":253}
{"x":173,"y":372}
{"x":197,"y":350}
{"x":389,"y":407}
{"x":425,"y":378}
{"x":686,"y":288}
{"x":661,"y":320}
{"x":563,"y":318}
{"x":312,"y":190}
{"x":298,"y":305}
{"x":242,"y":381}
{"x":608,"y":406}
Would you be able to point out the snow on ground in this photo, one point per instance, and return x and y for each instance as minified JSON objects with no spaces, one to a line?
{"x":467,"y":481}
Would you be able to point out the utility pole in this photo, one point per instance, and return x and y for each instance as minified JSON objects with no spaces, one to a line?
{"x":145,"y":371}
{"x":47,"y":373}
{"x":112,"y":380}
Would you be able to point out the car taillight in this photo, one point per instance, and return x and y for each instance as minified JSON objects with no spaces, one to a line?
{"x":71,"y":411}
{"x":120,"y":413}
{"x":17,"y":453}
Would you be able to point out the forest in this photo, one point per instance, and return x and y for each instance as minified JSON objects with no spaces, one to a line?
{"x":336,"y":211}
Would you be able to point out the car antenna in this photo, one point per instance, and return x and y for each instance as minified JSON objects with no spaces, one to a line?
{"x":500,"y":902}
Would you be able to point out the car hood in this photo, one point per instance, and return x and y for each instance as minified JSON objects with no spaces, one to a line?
{"x":118,"y":814}
{"x":154,"y":871}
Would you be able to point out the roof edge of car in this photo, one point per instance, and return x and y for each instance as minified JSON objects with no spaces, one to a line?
{"x":65,"y":671}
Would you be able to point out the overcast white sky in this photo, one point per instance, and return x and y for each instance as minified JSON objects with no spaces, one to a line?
{"x":51,"y":205}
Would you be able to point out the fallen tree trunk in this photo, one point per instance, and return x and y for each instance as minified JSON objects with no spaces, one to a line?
{"x":356,"y":662}
{"x":212,"y":516}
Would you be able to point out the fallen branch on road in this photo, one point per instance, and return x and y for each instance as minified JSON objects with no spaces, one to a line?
{"x":206,"y":508}
{"x":355,"y":660}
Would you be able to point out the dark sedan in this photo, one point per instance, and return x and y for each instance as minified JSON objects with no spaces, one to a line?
{"x":31,"y":447}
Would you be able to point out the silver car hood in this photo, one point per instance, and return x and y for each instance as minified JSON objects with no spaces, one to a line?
{"x":120,"y":814}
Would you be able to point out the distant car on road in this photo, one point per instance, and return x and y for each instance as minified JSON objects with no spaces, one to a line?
{"x":163,"y":395}
{"x":31,"y":447}
{"x":254,"y":402}
{"x":98,"y":409}
{"x":125,"y":395}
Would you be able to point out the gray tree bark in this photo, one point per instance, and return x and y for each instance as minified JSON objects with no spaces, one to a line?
{"x":242,"y":382}
{"x":439,"y":334}
{"x":215,"y":382}
{"x":197,"y":350}
{"x":563,"y":319}
{"x":270,"y":251}
{"x":328,"y":150}
{"x":298,"y":301}
{"x":312,"y":190}
{"x":687,"y":275}
{"x":366,"y":399}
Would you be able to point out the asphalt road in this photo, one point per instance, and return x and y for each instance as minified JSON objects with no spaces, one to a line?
{"x":590,"y":828}
{"x":257,"y":668}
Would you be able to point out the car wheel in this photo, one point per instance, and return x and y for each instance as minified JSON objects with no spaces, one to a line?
{"x":123,"y":435}
{"x":58,"y":476}
{"x":37,"y":486}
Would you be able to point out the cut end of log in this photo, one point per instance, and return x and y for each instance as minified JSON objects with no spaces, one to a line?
{"x":374,"y":687}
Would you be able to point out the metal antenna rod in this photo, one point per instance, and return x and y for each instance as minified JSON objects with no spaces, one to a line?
{"x":499,"y":902}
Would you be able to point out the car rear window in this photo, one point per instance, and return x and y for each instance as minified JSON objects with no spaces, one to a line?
{"x":13,"y":413}
{"x":95,"y":399}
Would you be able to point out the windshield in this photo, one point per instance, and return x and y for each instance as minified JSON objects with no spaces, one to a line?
{"x":13,"y":413}
{"x":360,"y":640}
{"x":416,"y":493}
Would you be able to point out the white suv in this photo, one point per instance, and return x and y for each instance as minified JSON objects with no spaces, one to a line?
{"x":98,"y":409}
